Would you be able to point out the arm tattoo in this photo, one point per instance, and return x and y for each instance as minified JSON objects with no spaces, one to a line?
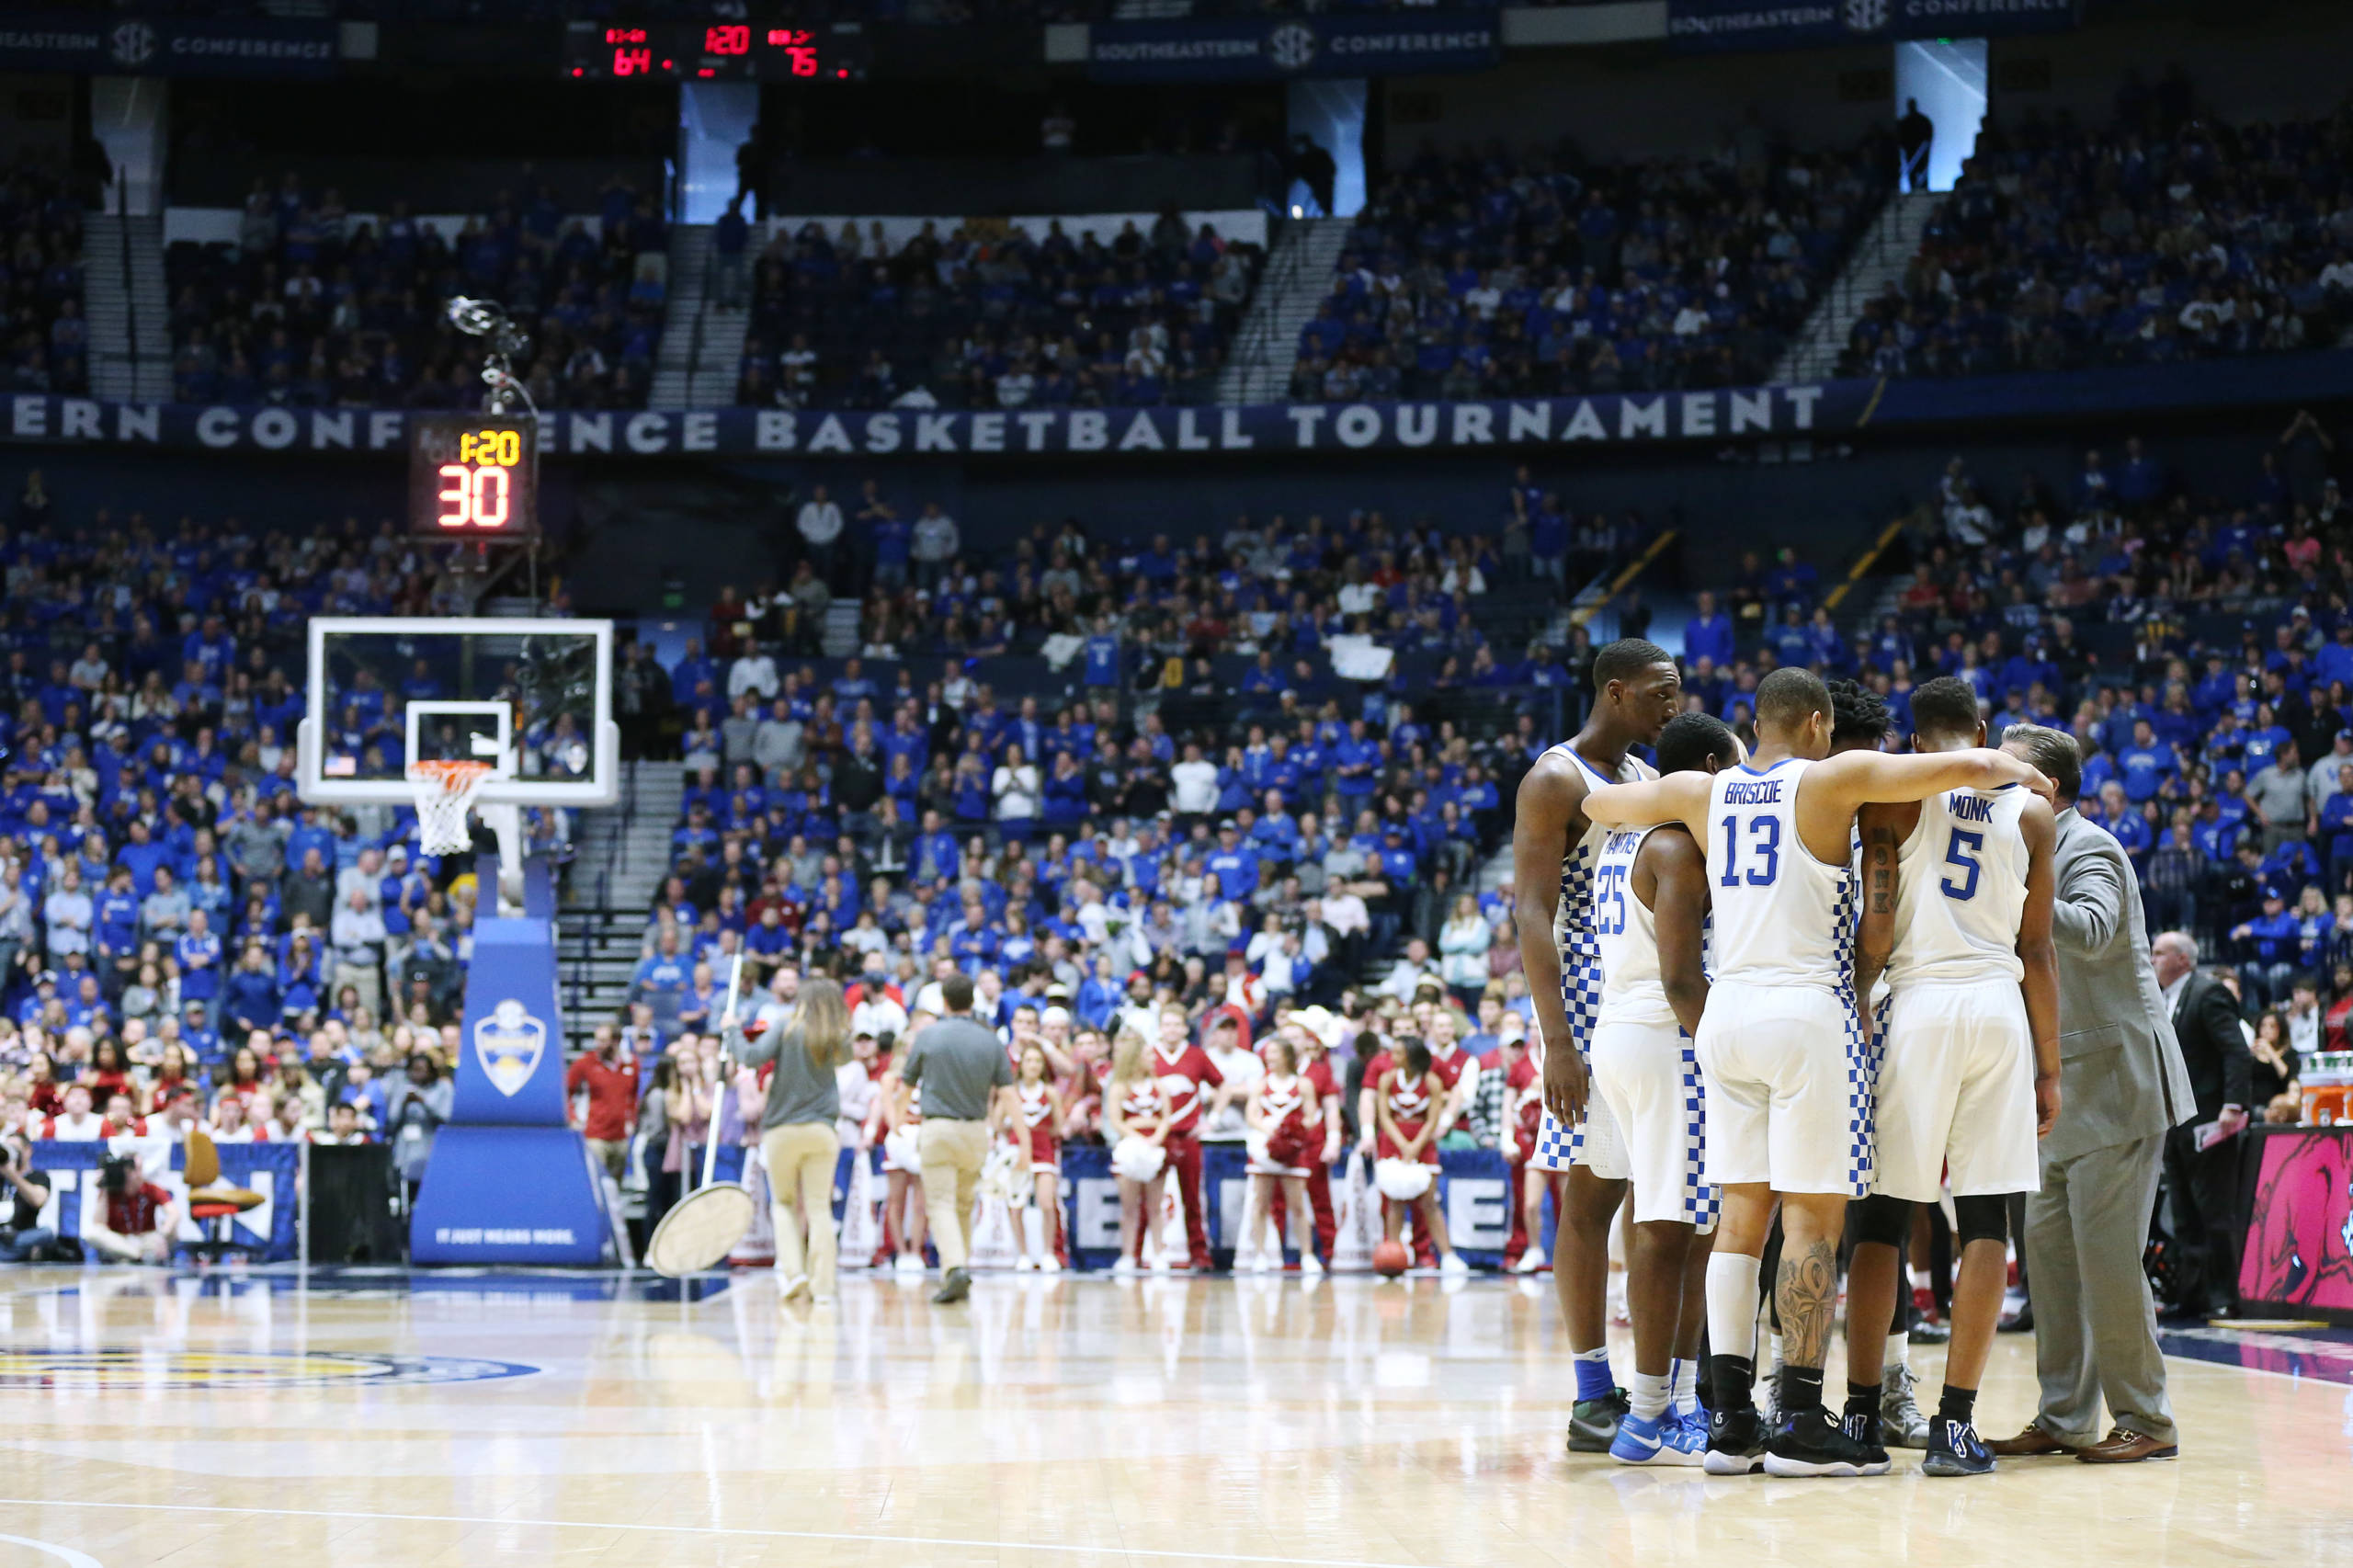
{"x":1807,"y":1290}
{"x":1878,"y":856}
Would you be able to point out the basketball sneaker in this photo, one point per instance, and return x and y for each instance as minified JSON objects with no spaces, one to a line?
{"x":1451,"y":1266}
{"x":1664,"y":1439}
{"x":1899,"y":1412}
{"x":1809,"y":1443}
{"x":1736,"y":1441}
{"x":1593,"y":1423}
{"x":1864,"y":1429}
{"x":1954,"y":1448}
{"x":1310,"y":1267}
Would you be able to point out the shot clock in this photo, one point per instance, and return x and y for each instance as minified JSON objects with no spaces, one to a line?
{"x":472,"y":477}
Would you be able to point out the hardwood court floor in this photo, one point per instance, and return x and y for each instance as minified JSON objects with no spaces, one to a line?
{"x":1047,"y":1424}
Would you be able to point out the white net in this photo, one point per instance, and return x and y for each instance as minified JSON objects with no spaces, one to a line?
{"x":445,"y":792}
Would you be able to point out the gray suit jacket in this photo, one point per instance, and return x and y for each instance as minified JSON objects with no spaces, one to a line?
{"x":2120,"y":1073}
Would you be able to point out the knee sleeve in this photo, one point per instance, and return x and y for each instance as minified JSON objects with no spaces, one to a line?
{"x":1881,"y":1218}
{"x":1984,"y":1217}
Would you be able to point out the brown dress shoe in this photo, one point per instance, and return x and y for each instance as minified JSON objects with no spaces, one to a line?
{"x":2123,"y":1446}
{"x":2032,"y":1442}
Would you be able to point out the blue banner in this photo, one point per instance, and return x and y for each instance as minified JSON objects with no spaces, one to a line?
{"x":113,"y":44}
{"x":1237,"y":48}
{"x":1709,"y":25}
{"x":1787,"y":412}
{"x":272,"y":1229}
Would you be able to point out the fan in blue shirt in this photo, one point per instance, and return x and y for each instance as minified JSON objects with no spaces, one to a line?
{"x":2144,"y":765}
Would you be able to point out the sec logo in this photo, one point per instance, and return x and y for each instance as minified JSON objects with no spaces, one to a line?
{"x":1866,"y":16}
{"x":1291,"y":46}
{"x":131,"y":44}
{"x":130,"y":1367}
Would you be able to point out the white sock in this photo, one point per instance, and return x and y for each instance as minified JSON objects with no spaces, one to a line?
{"x":1899,"y":1356}
{"x":1683,"y":1383}
{"x":1732,"y":1305}
{"x":1775,"y":1341}
{"x":1646,"y":1392}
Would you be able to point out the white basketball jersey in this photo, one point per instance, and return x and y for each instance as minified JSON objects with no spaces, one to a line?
{"x":1632,"y":991}
{"x":1780,"y":917}
{"x":1580,"y":951}
{"x":1961,"y":892}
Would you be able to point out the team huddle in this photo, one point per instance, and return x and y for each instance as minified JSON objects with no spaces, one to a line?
{"x":1805,"y":987}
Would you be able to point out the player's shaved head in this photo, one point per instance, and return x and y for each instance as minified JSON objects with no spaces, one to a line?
{"x":1692,"y":742}
{"x":1945,"y":708}
{"x":1787,"y":698}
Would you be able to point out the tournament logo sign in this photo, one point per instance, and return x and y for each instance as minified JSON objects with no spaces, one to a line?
{"x":510,"y":1043}
{"x":132,"y":45}
{"x":127,"y":1367}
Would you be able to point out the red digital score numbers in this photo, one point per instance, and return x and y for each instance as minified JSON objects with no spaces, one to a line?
{"x":799,"y":46}
{"x":478,"y":489}
{"x":632,"y":51}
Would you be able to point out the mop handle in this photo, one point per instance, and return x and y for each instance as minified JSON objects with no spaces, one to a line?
{"x":711,"y":1133}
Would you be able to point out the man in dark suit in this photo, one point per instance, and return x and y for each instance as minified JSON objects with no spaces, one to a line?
{"x":2204,"y":1182}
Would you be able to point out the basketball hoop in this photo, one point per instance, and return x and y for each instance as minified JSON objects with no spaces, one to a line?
{"x":445,"y":792}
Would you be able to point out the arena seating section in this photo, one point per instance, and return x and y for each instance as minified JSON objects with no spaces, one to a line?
{"x":314,"y":307}
{"x":41,"y":265}
{"x":2063,"y":248}
{"x":1490,"y":276}
{"x":970,"y":319}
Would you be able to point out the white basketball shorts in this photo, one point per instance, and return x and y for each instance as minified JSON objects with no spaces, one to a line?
{"x":1787,"y":1077}
{"x":1956,"y":1094}
{"x":1647,"y":1074}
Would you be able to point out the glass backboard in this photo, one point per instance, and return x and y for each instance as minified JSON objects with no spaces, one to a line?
{"x":531,"y":698}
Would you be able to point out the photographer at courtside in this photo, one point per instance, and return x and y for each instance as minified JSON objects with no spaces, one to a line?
{"x":141,"y":1217}
{"x":22,"y":1237}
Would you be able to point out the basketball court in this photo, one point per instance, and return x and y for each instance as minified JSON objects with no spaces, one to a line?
{"x":478,"y":1417}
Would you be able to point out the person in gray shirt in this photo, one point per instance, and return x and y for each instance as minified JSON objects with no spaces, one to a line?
{"x":2276,"y":793}
{"x":798,"y":1140}
{"x":966,"y":1079}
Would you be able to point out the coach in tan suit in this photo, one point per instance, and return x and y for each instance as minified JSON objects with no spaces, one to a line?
{"x":2121,"y":1086}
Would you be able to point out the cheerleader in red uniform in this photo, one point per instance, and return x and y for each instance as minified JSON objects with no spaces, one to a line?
{"x":1286,"y":1117}
{"x":896,"y":1122}
{"x":1523,"y":1115}
{"x":1038,"y":1134}
{"x":1407,"y":1108}
{"x":1135,"y":1107}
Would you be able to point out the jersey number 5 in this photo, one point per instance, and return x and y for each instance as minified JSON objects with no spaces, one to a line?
{"x":1962,"y":852}
{"x":1766,"y":833}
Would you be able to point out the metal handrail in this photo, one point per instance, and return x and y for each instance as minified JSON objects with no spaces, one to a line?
{"x":702,"y":311}
{"x":129,"y":289}
{"x":1843,"y":301}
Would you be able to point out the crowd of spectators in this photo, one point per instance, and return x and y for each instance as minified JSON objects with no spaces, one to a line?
{"x":2064,"y":246}
{"x":1489,"y":275}
{"x":183,"y":943}
{"x":1111,"y":843}
{"x":40,"y":270}
{"x":315,"y":307}
{"x":984,"y":318}
{"x":2198,"y":646}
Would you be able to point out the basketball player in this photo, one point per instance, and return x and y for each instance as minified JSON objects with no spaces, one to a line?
{"x":1636,"y":691}
{"x":1650,"y":915}
{"x":1780,"y":1041}
{"x":1957,"y":897}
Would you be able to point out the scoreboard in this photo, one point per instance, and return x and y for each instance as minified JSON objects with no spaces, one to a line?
{"x":603,"y":51}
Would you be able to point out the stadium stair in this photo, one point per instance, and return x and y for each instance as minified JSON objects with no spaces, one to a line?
{"x":128,"y":311}
{"x":1298,"y":276}
{"x":702,"y":346}
{"x":1886,"y":248}
{"x":623,"y":853}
